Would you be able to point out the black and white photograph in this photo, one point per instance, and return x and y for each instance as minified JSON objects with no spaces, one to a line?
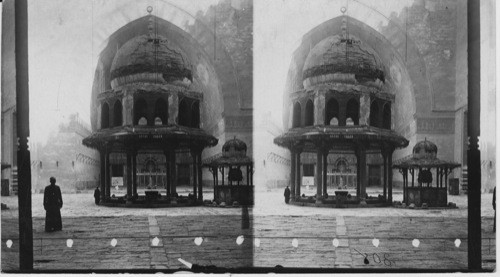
{"x":248,"y":136}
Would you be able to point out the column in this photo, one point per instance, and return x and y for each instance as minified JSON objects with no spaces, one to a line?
{"x":173,"y":172}
{"x":389,"y":174}
{"x":129,"y":175}
{"x":134,"y":172}
{"x":195,"y":172}
{"x":319,"y":174}
{"x":358,"y":179}
{"x":200,"y":179}
{"x":298,"y":179}
{"x":215,"y":175}
{"x":107,"y":171}
{"x":362,"y":171}
{"x":102,"y":176}
{"x":23,"y":134}
{"x":293,"y":174}
{"x":222,"y":173}
{"x":384,"y":158}
{"x":166,"y":152}
{"x":325,"y":169}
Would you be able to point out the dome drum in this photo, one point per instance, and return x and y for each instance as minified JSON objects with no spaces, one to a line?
{"x":341,"y":108}
{"x":155,"y":108}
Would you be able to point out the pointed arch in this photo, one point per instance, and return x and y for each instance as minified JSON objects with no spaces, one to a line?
{"x":161,"y":112}
{"x":117,"y":114}
{"x":105,"y":116}
{"x":309,"y":113}
{"x":297,"y":111}
{"x":352,"y":111}
{"x":140,"y":111}
{"x":332,"y":112}
{"x":184,"y":117}
{"x":386,"y":118}
{"x":195,"y":114}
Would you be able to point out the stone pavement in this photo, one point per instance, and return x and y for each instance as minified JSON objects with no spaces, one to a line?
{"x":387,"y":242}
{"x":129,"y":243}
{"x":279,"y":234}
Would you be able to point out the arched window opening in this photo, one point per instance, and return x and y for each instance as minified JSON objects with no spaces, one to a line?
{"x":349,"y":122}
{"x":142,"y":121}
{"x":105,"y":116}
{"x":140,"y":111}
{"x":158,"y":121}
{"x":374,"y":114}
{"x":117,"y":114}
{"x":352,"y":112}
{"x":331,"y":112}
{"x":334,"y":121}
{"x":161,"y":111}
{"x":296,"y":115}
{"x":387,"y":116}
{"x":309,"y":120}
{"x":184,"y":113}
{"x":195,"y":114}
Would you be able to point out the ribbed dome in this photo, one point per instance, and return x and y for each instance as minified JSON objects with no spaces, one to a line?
{"x":148,"y":59}
{"x":234,"y":147}
{"x":425,"y":149}
{"x":335,"y":59}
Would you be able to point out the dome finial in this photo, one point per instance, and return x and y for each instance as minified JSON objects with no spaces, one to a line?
{"x":149,"y":9}
{"x":343,"y":10}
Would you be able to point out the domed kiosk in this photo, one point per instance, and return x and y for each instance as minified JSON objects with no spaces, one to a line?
{"x":239,"y":186}
{"x":424,"y":160}
{"x":339,"y":116}
{"x":149,"y":122}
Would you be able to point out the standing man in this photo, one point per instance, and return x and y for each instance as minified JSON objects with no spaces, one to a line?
{"x":97,"y":195}
{"x":287,"y":195}
{"x":52,"y":202}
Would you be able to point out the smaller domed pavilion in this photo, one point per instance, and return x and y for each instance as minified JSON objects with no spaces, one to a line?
{"x":234,"y":158}
{"x":424,"y":159}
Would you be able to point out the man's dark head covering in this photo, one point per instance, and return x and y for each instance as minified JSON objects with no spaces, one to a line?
{"x":52,"y":180}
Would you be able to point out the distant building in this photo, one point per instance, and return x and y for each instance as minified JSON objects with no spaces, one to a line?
{"x":75,"y":166}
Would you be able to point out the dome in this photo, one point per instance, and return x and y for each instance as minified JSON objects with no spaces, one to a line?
{"x":147,"y":59}
{"x":425,"y":149}
{"x":335,"y":59}
{"x":234,"y":147}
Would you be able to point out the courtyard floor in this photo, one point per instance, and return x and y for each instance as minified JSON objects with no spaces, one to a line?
{"x":97,"y":238}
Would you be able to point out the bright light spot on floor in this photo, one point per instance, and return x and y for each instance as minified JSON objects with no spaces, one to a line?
{"x":375,"y":242}
{"x":239,"y":240}
{"x":257,"y":242}
{"x":69,"y":243}
{"x":335,"y":242}
{"x":155,"y":241}
{"x":114,"y":242}
{"x":415,"y":242}
{"x":458,"y":242}
{"x":198,"y":241}
{"x":186,"y":263}
{"x":295,"y":243}
{"x":9,"y":243}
